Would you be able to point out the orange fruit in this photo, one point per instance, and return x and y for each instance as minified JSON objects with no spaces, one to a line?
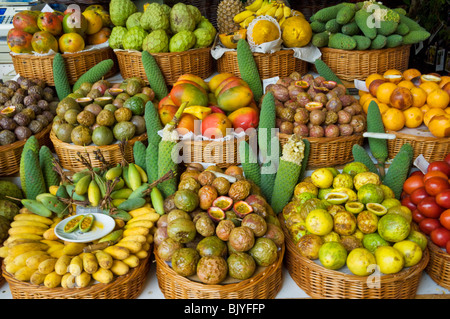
{"x":364,"y":98}
{"x":439,"y":125}
{"x":413,"y":117}
{"x":383,"y":107}
{"x":424,"y":108}
{"x":444,"y":80}
{"x":384,"y":92}
{"x":447,"y":110}
{"x":406,"y":84}
{"x":372,"y":77}
{"x":411,"y":73}
{"x":419,"y":96}
{"x":431,"y":113}
{"x":71,"y":42}
{"x":429,"y":86}
{"x":438,"y":98}
{"x":362,"y":93}
{"x":393,"y":119}
{"x":367,"y":102}
{"x":393,"y":75}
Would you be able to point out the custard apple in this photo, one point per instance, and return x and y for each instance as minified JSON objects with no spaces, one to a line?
{"x":205,"y":23}
{"x":134,"y":38}
{"x":204,"y":38}
{"x":166,"y":9}
{"x":120,"y":10}
{"x":181,"y":18}
{"x":156,"y":42}
{"x":195,"y":13}
{"x":182,"y":41}
{"x":154,"y":18}
{"x":133,"y":20}
{"x":116,"y":37}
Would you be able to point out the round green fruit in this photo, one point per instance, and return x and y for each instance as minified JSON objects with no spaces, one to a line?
{"x":332,"y":255}
{"x":370,"y":193}
{"x":393,"y":227}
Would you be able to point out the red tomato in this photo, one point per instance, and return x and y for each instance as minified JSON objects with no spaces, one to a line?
{"x":406,"y":201}
{"x":418,"y":194}
{"x":447,"y":247}
{"x":434,"y":174}
{"x":419,"y":173}
{"x":427,"y":225}
{"x":444,"y":219}
{"x":442,"y":166}
{"x":430,"y":208}
{"x":443,"y":199}
{"x":436,"y":185}
{"x":412,"y":183}
{"x":417,"y":216}
{"x":440,"y":236}
{"x":447,"y":159}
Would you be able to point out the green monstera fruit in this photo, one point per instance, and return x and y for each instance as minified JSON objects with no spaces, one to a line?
{"x":116,"y":37}
{"x":134,"y":38}
{"x":154,"y":18}
{"x":182,"y":41}
{"x":181,"y":18}
{"x":120,"y":10}
{"x":156,"y":42}
{"x":134,"y":20}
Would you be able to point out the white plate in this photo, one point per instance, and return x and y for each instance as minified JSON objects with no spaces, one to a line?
{"x":103,"y":225}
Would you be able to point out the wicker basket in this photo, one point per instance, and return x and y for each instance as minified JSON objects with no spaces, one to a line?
{"x":195,"y":61}
{"x":128,"y":286}
{"x":321,"y":283}
{"x":10,"y":154}
{"x":67,"y":153}
{"x":329,"y":151}
{"x":281,"y":63}
{"x":41,"y":67}
{"x":349,"y":65}
{"x":432,"y":148}
{"x":263,"y":285}
{"x":439,"y":266}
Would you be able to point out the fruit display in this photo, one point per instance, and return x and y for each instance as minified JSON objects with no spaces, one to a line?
{"x":364,"y":25}
{"x":66,"y":32}
{"x":350,"y":219}
{"x":217,"y":226}
{"x":426,"y":194}
{"x":410,"y":99}
{"x":27,"y":107}
{"x":159,"y":28}
{"x":274,"y":20}
{"x":314,"y":107}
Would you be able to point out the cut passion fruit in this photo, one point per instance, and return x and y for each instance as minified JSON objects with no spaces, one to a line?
{"x":223,"y":202}
{"x":311,"y":106}
{"x":376,"y":208}
{"x":86,"y":223}
{"x":115,"y":91}
{"x":73,"y":224}
{"x":354,"y":207}
{"x":103,"y":100}
{"x":242,"y":209}
{"x":84,"y":101}
{"x":303,"y":84}
{"x":216,"y":213}
{"x":329,"y":84}
{"x":430,"y":78}
{"x":336,"y":198}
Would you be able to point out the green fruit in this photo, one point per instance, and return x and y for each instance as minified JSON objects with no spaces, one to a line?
{"x":156,"y":42}
{"x":241,"y":265}
{"x":195,"y":12}
{"x":136,"y":105}
{"x":181,"y":18}
{"x":134,"y":38}
{"x":8,"y":188}
{"x":332,"y":255}
{"x":248,"y":69}
{"x":355,"y":168}
{"x":264,"y":251}
{"x":182,"y":41}
{"x":203,"y":37}
{"x":154,"y":18}
{"x":95,"y":73}
{"x":419,"y":238}
{"x":341,"y":41}
{"x":186,"y":200}
{"x":116,"y":38}
{"x":120,"y":10}
{"x":133,"y":20}
{"x":124,"y":131}
{"x":62,"y":86}
{"x":370,"y":193}
{"x":373,"y":241}
{"x":102,"y":135}
{"x":393,"y":227}
{"x":8,"y":209}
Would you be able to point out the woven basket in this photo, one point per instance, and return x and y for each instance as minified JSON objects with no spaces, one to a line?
{"x":128,"y":286}
{"x":432,"y":148}
{"x":41,"y":67}
{"x":439,"y":266}
{"x":195,"y":61}
{"x":10,"y":154}
{"x":281,"y":63}
{"x":329,"y":151}
{"x":349,"y":65}
{"x":67,"y":153}
{"x":321,"y":283}
{"x":263,"y":285}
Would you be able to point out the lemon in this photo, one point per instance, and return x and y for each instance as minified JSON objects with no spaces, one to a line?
{"x":411,"y":251}
{"x":359,"y":261}
{"x":322,"y":178}
{"x":389,"y":259}
{"x":319,"y":222}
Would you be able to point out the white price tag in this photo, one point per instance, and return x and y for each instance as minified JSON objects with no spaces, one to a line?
{"x":268,"y":81}
{"x":421,"y":163}
{"x":360,"y":85}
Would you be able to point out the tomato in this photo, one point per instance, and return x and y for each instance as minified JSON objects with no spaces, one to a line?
{"x":436,"y":185}
{"x":406,"y":201}
{"x":419,"y":173}
{"x":444,"y":219}
{"x":427,"y":225}
{"x":412,"y":183}
{"x":440,"y":236}
{"x":443,"y":199}
{"x":418,"y":194}
{"x":417,"y":216}
{"x":441,"y":166}
{"x":434,"y":174}
{"x":447,"y":159}
{"x":430,"y":208}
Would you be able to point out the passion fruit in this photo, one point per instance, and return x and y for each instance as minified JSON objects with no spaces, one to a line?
{"x":370,"y":193}
{"x":241,"y":265}
{"x":336,"y":198}
{"x":332,"y":255}
{"x":205,"y":226}
{"x":264,"y":251}
{"x":275,"y":233}
{"x":241,"y":238}
{"x":354,"y":207}
{"x":212,"y":246}
{"x":224,"y":228}
{"x":310,"y":106}
{"x":367,"y":222}
{"x":344,"y":223}
{"x":359,"y":261}
{"x":86,"y":223}
{"x":302,"y":84}
{"x":223,"y":202}
{"x":376,"y":208}
{"x":242,"y":208}
{"x":184,"y":261}
{"x":167,"y":248}
{"x":319,"y":222}
{"x":216,"y":213}
{"x":373,"y":241}
{"x":73,"y":224}
{"x":309,"y":245}
{"x":256,"y":223}
{"x":212,"y":269}
{"x":182,"y":230}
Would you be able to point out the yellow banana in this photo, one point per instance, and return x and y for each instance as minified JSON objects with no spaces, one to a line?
{"x":271,"y":11}
{"x":279,"y":13}
{"x":281,"y":21}
{"x":255,"y":5}
{"x":238,"y":18}
{"x":244,"y":24}
{"x":266,"y":6}
{"x":286,"y":11}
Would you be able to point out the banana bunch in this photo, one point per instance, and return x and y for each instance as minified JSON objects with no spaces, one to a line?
{"x":276,"y":9}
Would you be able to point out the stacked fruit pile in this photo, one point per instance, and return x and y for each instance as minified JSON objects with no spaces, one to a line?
{"x":27,"y":107}
{"x":410,"y":99}
{"x":61,"y":32}
{"x":365,"y":25}
{"x":159,"y":28}
{"x":314,"y":107}
{"x":428,"y":196}
{"x":217,"y":225}
{"x":351,"y":218}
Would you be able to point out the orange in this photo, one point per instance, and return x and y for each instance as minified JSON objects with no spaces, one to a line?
{"x":411,"y":73}
{"x":413,"y":117}
{"x":430,"y":113}
{"x":393,"y":75}
{"x":384,"y":92}
{"x":438,"y":98}
{"x":447,"y":110}
{"x":406,"y":84}
{"x":364,"y":98}
{"x":444,"y":80}
{"x":439,"y":125}
{"x":367,"y":102}
{"x":383,"y":107}
{"x":429,"y":86}
{"x":424,"y":108}
{"x":419,"y":96}
{"x":374,"y":76}
{"x":393,"y":119}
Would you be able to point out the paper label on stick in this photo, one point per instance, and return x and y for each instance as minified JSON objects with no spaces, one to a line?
{"x":421,"y":163}
{"x":360,"y":85}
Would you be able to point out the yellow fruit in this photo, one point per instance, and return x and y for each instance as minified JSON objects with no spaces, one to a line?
{"x":406,"y":84}
{"x":389,"y":259}
{"x":447,"y":110}
{"x":322,"y":178}
{"x":438,"y":98}
{"x":319,"y":222}
{"x":393,"y":119}
{"x":419,"y":96}
{"x":95,"y":22}
{"x":360,"y":262}
{"x":430,"y":113}
{"x":374,"y":76}
{"x":383,"y":107}
{"x":392,"y":75}
{"x":411,"y":251}
{"x":367,"y":102}
{"x":413,"y":117}
{"x":425,"y":108}
{"x":429,"y":86}
{"x":411,"y":73}
{"x":264,"y":31}
{"x":439,"y":125}
{"x":296,"y":32}
{"x":384,"y":92}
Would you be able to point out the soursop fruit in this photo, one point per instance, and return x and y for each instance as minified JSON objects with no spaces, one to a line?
{"x":204,"y":38}
{"x":116,"y":37}
{"x":156,"y":42}
{"x":134,"y":20}
{"x":134,"y":38}
{"x":181,"y":18}
{"x":154,"y":18}
{"x":205,"y":23}
{"x":195,"y":13}
{"x":182,"y":41}
{"x":120,"y":10}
